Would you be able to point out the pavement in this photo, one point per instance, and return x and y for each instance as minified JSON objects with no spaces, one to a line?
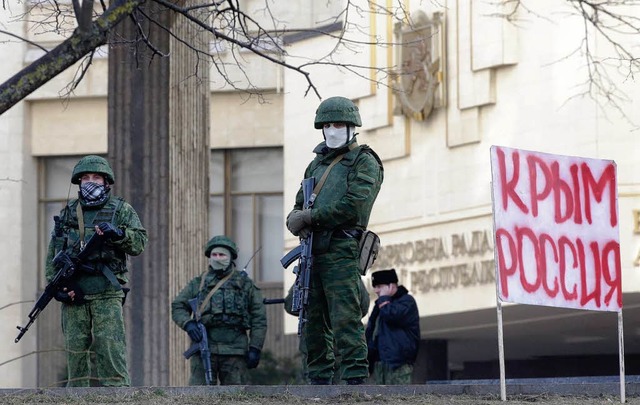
{"x":579,"y":386}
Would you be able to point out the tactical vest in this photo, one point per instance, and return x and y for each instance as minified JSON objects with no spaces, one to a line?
{"x":106,"y":267}
{"x":229,"y":305}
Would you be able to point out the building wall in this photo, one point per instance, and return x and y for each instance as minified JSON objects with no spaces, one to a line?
{"x":506,"y":86}
{"x":18,"y":221}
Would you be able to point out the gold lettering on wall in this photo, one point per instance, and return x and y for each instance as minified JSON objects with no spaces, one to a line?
{"x":451,"y":277}
{"x":441,"y":263}
{"x":475,"y":243}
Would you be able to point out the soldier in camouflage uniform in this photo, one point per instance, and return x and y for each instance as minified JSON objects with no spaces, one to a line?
{"x":337,"y":218}
{"x":92,"y":319}
{"x":230,"y":306}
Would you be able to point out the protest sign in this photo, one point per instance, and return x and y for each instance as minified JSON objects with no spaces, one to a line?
{"x":556,"y":230}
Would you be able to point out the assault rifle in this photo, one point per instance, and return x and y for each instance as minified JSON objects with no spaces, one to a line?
{"x":305,"y":262}
{"x":65,"y":266}
{"x":202,"y":346}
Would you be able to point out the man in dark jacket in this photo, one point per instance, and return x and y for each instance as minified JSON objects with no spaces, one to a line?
{"x":393,"y":330}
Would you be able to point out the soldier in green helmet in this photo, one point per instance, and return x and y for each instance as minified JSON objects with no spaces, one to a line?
{"x":337,"y":218}
{"x":92,"y":319}
{"x":231,"y":309}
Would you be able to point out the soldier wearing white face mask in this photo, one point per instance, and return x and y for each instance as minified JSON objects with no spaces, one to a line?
{"x":337,"y":134}
{"x":337,"y":219}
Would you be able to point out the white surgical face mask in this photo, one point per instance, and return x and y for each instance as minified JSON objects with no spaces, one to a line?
{"x":336,"y":137}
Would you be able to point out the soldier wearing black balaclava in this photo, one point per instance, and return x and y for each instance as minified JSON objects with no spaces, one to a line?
{"x":92,"y":318}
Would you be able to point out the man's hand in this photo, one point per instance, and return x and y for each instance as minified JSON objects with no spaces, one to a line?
{"x":70,"y":295}
{"x":385,"y":289}
{"x":193,"y":330}
{"x":64,"y":296}
{"x":297,"y":220}
{"x":109,"y":230}
{"x":304,"y":233}
{"x":253,"y":357}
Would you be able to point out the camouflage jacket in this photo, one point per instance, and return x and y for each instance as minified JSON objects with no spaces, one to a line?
{"x":233,"y":310}
{"x":347,"y":196}
{"x":112,"y":254}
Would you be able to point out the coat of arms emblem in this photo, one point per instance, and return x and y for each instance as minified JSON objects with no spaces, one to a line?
{"x":419,"y":83}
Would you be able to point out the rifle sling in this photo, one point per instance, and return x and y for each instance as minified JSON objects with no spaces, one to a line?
{"x":338,"y":158}
{"x":80,"y":224}
{"x":213,"y":290}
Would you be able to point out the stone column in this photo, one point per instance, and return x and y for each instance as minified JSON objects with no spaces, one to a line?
{"x":159,"y":148}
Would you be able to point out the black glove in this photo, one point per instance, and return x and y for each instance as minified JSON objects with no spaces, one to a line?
{"x":63,"y":296}
{"x":194,"y":331}
{"x":110,"y":231}
{"x":253,"y":357}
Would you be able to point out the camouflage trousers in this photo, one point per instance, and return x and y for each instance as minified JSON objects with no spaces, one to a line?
{"x":228,"y":369}
{"x":302,"y":347}
{"x":96,"y":326}
{"x":334,"y":315}
{"x":385,"y":375}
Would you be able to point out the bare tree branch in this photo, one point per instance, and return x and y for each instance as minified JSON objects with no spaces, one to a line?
{"x":24,"y":40}
{"x":226,"y":21}
{"x":77,"y":10}
{"x":136,"y":22}
{"x":84,"y":18}
{"x":80,"y":73}
{"x":613,"y":21}
{"x":229,"y":24}
{"x":249,"y":46}
{"x":64,"y":55}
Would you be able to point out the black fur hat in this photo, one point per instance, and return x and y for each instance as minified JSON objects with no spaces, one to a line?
{"x":384,"y":277}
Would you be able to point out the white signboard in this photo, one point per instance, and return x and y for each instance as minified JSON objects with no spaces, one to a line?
{"x":556,"y":230}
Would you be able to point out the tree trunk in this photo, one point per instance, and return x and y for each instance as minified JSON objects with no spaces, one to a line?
{"x":159,"y":145}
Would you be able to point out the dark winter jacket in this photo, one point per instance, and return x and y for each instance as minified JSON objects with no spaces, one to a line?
{"x":398,"y":331}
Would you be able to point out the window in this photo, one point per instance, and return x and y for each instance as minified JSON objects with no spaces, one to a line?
{"x":246,"y":203}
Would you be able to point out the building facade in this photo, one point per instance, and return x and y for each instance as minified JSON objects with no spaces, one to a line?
{"x":448,"y":81}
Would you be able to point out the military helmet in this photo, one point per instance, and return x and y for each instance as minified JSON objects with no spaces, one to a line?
{"x":337,"y":109}
{"x":92,"y":164}
{"x":224,"y":242}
